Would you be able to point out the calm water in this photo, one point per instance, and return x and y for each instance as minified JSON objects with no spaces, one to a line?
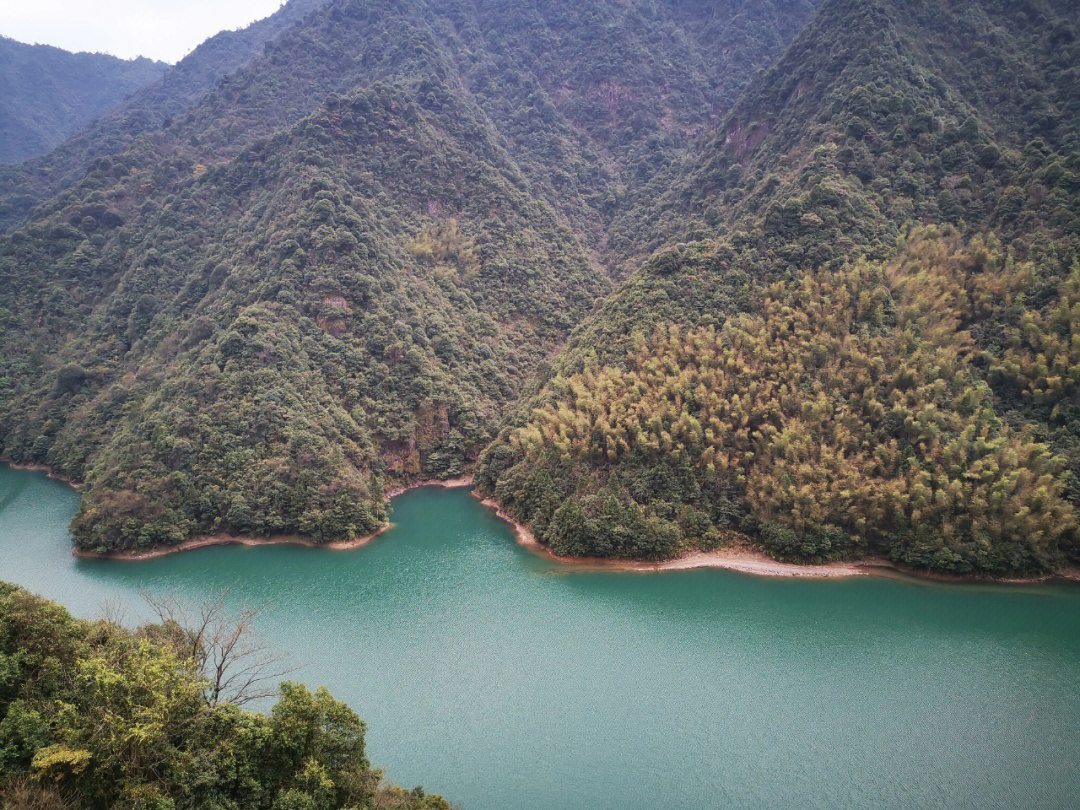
{"x":505,"y":681}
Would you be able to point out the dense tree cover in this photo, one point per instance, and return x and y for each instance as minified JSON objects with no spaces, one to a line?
{"x":276,"y":342}
{"x":883,"y":112}
{"x":1042,"y":354}
{"x":558,"y":83}
{"x":829,"y":154}
{"x":252,"y":304}
{"x":94,"y":716}
{"x":879,"y":114}
{"x":844,"y":414}
{"x":47,"y":94}
{"x":385,"y":234}
{"x":595,"y":100}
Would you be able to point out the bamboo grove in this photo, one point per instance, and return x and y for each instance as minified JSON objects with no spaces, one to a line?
{"x":848,"y":412}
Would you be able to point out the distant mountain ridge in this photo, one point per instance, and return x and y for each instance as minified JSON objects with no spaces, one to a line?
{"x":22,"y":187}
{"x":48,"y":94}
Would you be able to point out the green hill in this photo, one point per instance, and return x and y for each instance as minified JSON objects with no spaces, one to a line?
{"x":335,"y":269}
{"x":734,"y":387}
{"x":666,"y":275}
{"x":346,"y":303}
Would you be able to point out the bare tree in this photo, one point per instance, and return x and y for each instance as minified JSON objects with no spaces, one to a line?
{"x":221,"y":646}
{"x":113,"y":611}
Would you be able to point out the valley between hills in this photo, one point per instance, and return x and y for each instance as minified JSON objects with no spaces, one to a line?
{"x":665,"y":278}
{"x":785,"y":287}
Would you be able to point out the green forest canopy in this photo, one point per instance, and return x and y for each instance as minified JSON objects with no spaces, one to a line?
{"x":665,"y":275}
{"x":95,"y":716}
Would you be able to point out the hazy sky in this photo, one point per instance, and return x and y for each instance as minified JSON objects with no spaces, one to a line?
{"x":161,"y":29}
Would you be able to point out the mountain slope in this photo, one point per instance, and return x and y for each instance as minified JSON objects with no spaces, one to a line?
{"x":362,"y":292}
{"x":47,"y":94}
{"x":254,"y":309}
{"x":594,"y":101}
{"x":553,"y":81}
{"x":731,"y":387}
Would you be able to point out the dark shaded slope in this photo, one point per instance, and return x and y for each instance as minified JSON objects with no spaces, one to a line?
{"x":864,"y":129}
{"x":151,"y":108}
{"x":48,"y":94}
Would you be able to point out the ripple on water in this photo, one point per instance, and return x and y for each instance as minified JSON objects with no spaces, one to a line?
{"x":504,"y":680}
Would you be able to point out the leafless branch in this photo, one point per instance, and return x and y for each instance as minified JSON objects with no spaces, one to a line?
{"x":222,"y":647}
{"x":113,"y":611}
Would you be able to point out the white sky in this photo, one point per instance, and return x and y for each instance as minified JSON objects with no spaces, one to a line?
{"x":160,"y":29}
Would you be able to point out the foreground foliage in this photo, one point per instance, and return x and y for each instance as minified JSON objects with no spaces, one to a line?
{"x":93,"y":716}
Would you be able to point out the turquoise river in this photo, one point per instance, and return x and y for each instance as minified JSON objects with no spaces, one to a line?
{"x":504,"y":680}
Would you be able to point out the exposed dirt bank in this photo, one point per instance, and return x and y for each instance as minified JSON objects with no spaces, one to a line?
{"x":275,"y":540}
{"x":447,"y":483}
{"x":40,"y":468}
{"x":749,"y":561}
{"x":228,"y":540}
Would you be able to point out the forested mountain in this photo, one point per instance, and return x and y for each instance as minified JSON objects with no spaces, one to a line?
{"x":95,"y":716}
{"x":48,"y":94}
{"x":671,"y":275}
{"x":858,"y":331}
{"x":336,"y":268}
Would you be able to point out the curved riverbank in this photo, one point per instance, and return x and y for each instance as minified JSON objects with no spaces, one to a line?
{"x":445,"y":623}
{"x":273,"y":540}
{"x":755,"y":563}
{"x":228,"y":540}
{"x":49,"y":473}
{"x":445,"y":483}
{"x":732,"y":559}
{"x":742,"y":560}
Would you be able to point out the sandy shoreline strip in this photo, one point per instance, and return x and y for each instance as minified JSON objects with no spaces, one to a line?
{"x":733,"y":559}
{"x":755,"y":563}
{"x":229,"y":540}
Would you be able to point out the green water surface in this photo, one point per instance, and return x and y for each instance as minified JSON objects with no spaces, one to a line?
{"x":503,"y":680}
